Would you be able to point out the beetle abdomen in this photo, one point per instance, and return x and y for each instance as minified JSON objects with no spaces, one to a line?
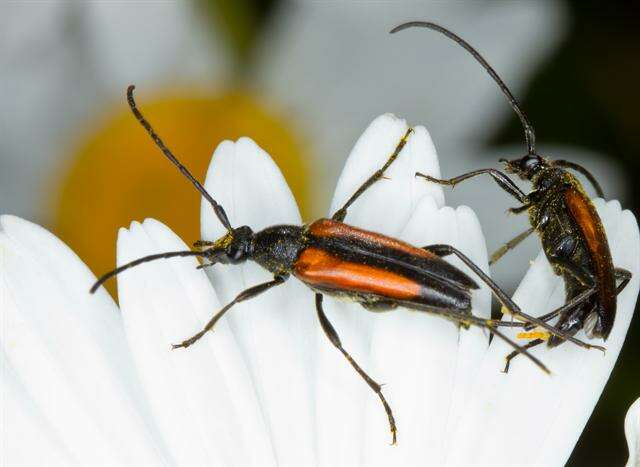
{"x":342,"y":258}
{"x":319,"y":268}
{"x":385,"y":252}
{"x":592,"y":230}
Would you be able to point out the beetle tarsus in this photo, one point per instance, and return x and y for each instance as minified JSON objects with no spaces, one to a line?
{"x":514,"y":354}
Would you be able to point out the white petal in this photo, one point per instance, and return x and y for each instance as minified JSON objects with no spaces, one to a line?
{"x":390,"y":346}
{"x":201,"y":397}
{"x":248,"y":184}
{"x":66,"y":350}
{"x":151,"y":44}
{"x":22,"y":423}
{"x":632,"y":432}
{"x":275,"y":330}
{"x":426,"y":361}
{"x":548,"y":411}
{"x":387,"y":205}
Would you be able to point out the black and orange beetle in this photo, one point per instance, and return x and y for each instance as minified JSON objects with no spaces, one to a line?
{"x":333,"y":258}
{"x":561,"y":212}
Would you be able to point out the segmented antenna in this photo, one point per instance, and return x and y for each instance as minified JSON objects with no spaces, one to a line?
{"x":147,"y":126}
{"x":529,"y":134}
{"x":145,"y":259}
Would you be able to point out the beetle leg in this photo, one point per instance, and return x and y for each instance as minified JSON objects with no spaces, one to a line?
{"x":519,"y":209}
{"x":489,"y":324}
{"x":379,"y":306}
{"x":242,"y":296}
{"x":579,"y":273}
{"x":510,"y":245}
{"x":624,"y":276}
{"x":573,"y":303}
{"x":501,"y":179}
{"x":514,"y":354}
{"x":510,"y":305}
{"x":341,"y":213}
{"x":577,"y":300}
{"x":335,"y":340}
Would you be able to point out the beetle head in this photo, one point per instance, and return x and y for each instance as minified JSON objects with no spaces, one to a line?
{"x":525,"y":167}
{"x":233,"y":248}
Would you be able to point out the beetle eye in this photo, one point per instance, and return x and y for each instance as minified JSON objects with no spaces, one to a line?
{"x":234,"y":253}
{"x":529,"y":163}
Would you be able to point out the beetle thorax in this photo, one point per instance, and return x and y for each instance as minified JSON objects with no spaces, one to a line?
{"x":276,"y":248}
{"x":548,"y":179}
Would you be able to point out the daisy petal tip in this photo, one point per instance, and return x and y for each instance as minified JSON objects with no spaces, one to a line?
{"x":251,"y":155}
{"x":420,"y":131}
{"x":151,"y":224}
{"x":616,"y":205}
{"x":399,"y":192}
{"x":468,"y":213}
{"x":136,"y":227}
{"x":243,"y":178}
{"x":386,"y":122}
{"x":225,"y":148}
{"x":7,"y":220}
{"x":247,"y":142}
{"x":133,"y":225}
{"x":16,"y":226}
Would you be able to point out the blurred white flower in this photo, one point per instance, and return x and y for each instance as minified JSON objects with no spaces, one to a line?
{"x":94,"y":386}
{"x":65,"y":63}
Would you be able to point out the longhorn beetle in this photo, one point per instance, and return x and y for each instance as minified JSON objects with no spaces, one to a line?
{"x":333,"y":258}
{"x":561,"y":212}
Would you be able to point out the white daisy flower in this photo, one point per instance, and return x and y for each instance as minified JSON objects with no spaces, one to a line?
{"x":83,"y":383}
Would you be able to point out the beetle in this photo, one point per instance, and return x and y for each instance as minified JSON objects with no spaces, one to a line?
{"x":564,"y":217}
{"x":336,"y":259}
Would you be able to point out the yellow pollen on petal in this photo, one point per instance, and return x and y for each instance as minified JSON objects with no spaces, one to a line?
{"x":531,"y":335}
{"x":117,"y":174}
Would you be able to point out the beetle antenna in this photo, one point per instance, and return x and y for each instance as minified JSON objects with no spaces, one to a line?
{"x":529,"y":133}
{"x":165,"y":150}
{"x":145,"y":259}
